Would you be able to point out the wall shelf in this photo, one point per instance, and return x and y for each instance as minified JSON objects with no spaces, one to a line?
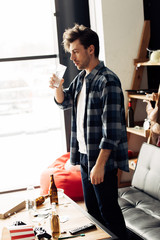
{"x":150,"y":97}
{"x":139,"y":131}
{"x":147,"y":63}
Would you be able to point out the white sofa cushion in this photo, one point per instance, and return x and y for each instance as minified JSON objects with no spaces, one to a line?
{"x":147,"y":174}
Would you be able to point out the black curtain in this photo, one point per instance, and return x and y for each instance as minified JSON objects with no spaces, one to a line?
{"x":69,"y":12}
{"x":152,"y":13}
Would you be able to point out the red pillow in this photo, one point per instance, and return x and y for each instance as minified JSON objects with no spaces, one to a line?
{"x":69,"y":180}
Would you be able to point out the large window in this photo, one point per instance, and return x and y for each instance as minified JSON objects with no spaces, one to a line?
{"x":31,"y":125}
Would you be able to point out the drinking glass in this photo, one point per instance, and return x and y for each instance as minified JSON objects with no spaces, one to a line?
{"x":59,"y":72}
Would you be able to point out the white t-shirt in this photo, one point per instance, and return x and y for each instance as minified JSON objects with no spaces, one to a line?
{"x":81,"y":103}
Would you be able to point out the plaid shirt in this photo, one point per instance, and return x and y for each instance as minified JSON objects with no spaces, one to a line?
{"x":104,"y":120}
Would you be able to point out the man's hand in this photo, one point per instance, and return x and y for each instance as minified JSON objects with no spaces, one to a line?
{"x":98,"y":171}
{"x":59,"y":95}
{"x":53,"y":80}
{"x":97,"y":174}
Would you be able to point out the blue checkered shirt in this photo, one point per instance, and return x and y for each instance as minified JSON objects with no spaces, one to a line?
{"x":104,"y":120}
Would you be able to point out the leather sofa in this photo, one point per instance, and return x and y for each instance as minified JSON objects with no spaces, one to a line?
{"x":140,"y":202}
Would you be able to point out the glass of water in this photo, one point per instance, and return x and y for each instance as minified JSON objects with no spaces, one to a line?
{"x":59,"y":73}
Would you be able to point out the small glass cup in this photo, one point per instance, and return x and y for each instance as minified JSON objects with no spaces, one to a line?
{"x":30,"y":200}
{"x":59,"y":72}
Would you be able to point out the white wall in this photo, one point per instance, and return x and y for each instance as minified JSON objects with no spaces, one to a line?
{"x":119,"y":25}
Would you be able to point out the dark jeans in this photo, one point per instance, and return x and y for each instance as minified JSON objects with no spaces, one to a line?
{"x":102,"y":200}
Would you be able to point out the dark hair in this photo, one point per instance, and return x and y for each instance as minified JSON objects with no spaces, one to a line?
{"x":86,"y":36}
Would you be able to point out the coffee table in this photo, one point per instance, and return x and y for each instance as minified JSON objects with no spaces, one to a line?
{"x":71,"y":216}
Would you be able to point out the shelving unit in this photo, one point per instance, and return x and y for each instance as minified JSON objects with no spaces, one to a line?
{"x":140,"y":63}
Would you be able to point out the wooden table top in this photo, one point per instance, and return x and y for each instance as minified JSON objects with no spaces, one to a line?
{"x":71,"y":216}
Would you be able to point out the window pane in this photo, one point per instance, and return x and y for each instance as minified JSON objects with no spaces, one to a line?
{"x":27,"y":28}
{"x":24,"y":89}
{"x":31,"y":129}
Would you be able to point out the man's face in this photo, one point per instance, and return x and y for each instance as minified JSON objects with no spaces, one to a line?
{"x":79,"y":55}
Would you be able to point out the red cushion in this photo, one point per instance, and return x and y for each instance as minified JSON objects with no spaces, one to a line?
{"x":69,"y":180}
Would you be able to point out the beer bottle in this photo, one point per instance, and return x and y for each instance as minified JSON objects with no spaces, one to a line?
{"x":41,"y":200}
{"x":130,"y":116}
{"x":53,"y":191}
{"x":55,"y":222}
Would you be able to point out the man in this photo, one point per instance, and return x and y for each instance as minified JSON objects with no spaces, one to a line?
{"x":98,"y":136}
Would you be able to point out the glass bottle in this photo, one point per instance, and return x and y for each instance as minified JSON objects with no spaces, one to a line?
{"x":53,"y":191}
{"x":41,"y":200}
{"x":130,"y":116}
{"x":55,"y":222}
